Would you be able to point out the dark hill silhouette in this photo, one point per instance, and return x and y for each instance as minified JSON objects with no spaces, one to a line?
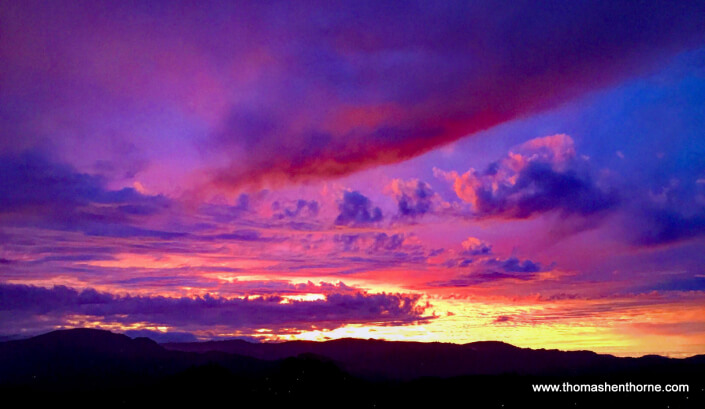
{"x":378,"y":359}
{"x":92,"y":367}
{"x":93,"y":357}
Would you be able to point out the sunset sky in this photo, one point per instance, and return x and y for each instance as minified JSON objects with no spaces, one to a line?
{"x":432,"y":171}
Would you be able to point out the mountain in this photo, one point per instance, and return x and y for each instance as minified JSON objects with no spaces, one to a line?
{"x":376,"y":359}
{"x":89,"y":357}
{"x":86,"y":367}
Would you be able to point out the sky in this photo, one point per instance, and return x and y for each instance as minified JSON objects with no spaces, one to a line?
{"x":421,"y":171}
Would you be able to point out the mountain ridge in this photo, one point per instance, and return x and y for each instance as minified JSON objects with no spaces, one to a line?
{"x":380,"y":359}
{"x":369,"y":359}
{"x":87,"y":365}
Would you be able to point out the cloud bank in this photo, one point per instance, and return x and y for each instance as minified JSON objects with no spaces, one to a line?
{"x":38,"y":308}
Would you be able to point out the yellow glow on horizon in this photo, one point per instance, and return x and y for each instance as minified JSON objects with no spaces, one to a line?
{"x":286,"y":299}
{"x":473,"y":322}
{"x":632,"y":326}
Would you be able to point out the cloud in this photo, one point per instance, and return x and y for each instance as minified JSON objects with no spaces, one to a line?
{"x":356,"y":210}
{"x":474,"y":279}
{"x":384,"y":242}
{"x":675,"y":213}
{"x":349,"y":242}
{"x":282,"y":287}
{"x":366,"y":252}
{"x":656,"y":226}
{"x":543,"y":176}
{"x":472,"y":246}
{"x":301,"y":208}
{"x":473,"y":249}
{"x":242,"y":235}
{"x":487,"y":270}
{"x":514,"y":265}
{"x":502,"y":319}
{"x":32,"y":182}
{"x":223,"y":213}
{"x":49,"y":307}
{"x":317,"y":92}
{"x":353,"y":93}
{"x":414,"y":197}
{"x":34,"y":191}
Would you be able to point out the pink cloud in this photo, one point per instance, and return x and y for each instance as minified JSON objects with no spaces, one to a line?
{"x":543,"y":175}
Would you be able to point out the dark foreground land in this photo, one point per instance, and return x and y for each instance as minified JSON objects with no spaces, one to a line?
{"x":100,"y":369}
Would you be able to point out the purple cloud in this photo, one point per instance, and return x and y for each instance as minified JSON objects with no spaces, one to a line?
{"x":674,"y":213}
{"x":502,"y":319}
{"x":488,"y":270}
{"x":473,"y":279}
{"x":473,"y":246}
{"x":358,"y":92}
{"x":285,"y":93}
{"x":22,"y":306}
{"x":38,"y":192}
{"x":414,"y":198}
{"x":664,"y":226}
{"x":303,"y":208}
{"x":514,"y":265}
{"x":544,"y":176}
{"x":384,"y":242}
{"x":349,"y":242}
{"x":356,"y":210}
{"x":242,"y":235}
